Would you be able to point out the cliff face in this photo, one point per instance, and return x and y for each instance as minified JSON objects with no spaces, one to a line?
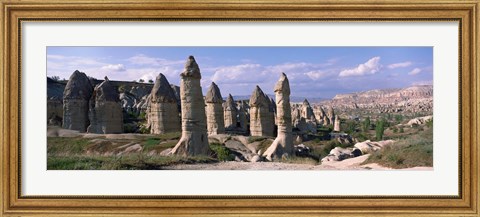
{"x":410,"y":99}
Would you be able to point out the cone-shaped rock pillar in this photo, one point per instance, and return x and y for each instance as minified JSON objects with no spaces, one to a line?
{"x":261,"y":124}
{"x":162,"y":111}
{"x":76,"y":98}
{"x":243,"y":116}
{"x":307,"y":111}
{"x":214,"y":111}
{"x":105,"y":112}
{"x":330,"y":115}
{"x":230,"y":113}
{"x":283,"y":144}
{"x":194,"y":140}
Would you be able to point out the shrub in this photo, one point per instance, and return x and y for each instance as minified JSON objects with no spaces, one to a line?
{"x":222,"y":152}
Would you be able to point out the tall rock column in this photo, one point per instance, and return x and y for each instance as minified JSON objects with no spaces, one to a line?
{"x":230,"y":113}
{"x":194,"y":140}
{"x":162,"y":112}
{"x":331,"y":115}
{"x":336,"y":126}
{"x":243,"y":116}
{"x":105,"y":114}
{"x":214,"y":111}
{"x":283,"y":144}
{"x":260,"y":122}
{"x":76,"y":98}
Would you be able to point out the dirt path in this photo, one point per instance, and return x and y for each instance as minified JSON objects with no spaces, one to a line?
{"x":348,"y":164}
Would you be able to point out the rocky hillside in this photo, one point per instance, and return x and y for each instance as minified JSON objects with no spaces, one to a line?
{"x":410,"y":99}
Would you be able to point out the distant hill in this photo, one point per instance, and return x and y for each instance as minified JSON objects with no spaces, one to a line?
{"x":412,"y":99}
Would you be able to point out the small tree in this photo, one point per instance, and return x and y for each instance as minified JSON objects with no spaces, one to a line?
{"x":150,"y":81}
{"x":399,"y":118}
{"x":141,"y":80}
{"x":380,"y":128}
{"x":366,"y":124}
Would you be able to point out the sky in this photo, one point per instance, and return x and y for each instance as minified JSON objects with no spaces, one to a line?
{"x":313,"y":72}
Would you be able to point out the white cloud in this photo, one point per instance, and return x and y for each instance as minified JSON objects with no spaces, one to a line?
{"x":141,"y":59}
{"x":372,"y":66}
{"x":315,"y":75}
{"x":399,"y":65}
{"x":114,"y":67}
{"x":415,"y":71}
{"x":244,"y":73}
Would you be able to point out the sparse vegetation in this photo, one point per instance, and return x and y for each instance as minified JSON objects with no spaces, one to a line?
{"x":414,"y":150}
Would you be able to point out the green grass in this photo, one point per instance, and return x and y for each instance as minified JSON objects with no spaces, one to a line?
{"x":413,"y":151}
{"x":64,"y":145}
{"x":126,"y":162}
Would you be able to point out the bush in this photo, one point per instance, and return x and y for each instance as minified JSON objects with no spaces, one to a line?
{"x":222,"y":152}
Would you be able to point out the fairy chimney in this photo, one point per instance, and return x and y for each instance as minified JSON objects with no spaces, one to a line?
{"x":194,"y":140}
{"x":230,"y":113}
{"x":261,"y":124}
{"x":162,"y":112}
{"x":105,"y":112}
{"x":283,"y":144}
{"x":214,"y":111}
{"x":76,"y":97}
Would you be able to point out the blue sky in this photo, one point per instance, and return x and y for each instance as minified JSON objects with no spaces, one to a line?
{"x":312,"y":71}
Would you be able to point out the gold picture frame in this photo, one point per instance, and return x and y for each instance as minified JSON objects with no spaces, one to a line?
{"x":15,"y":12}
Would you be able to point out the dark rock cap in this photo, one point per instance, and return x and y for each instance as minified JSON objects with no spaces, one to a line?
{"x":162,"y":91}
{"x":230,"y":103}
{"x":306,"y":103}
{"x":105,"y":92}
{"x":258,"y":98}
{"x":78,"y":87}
{"x":191,"y":69}
{"x":213,"y":94}
{"x":282,"y":84}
